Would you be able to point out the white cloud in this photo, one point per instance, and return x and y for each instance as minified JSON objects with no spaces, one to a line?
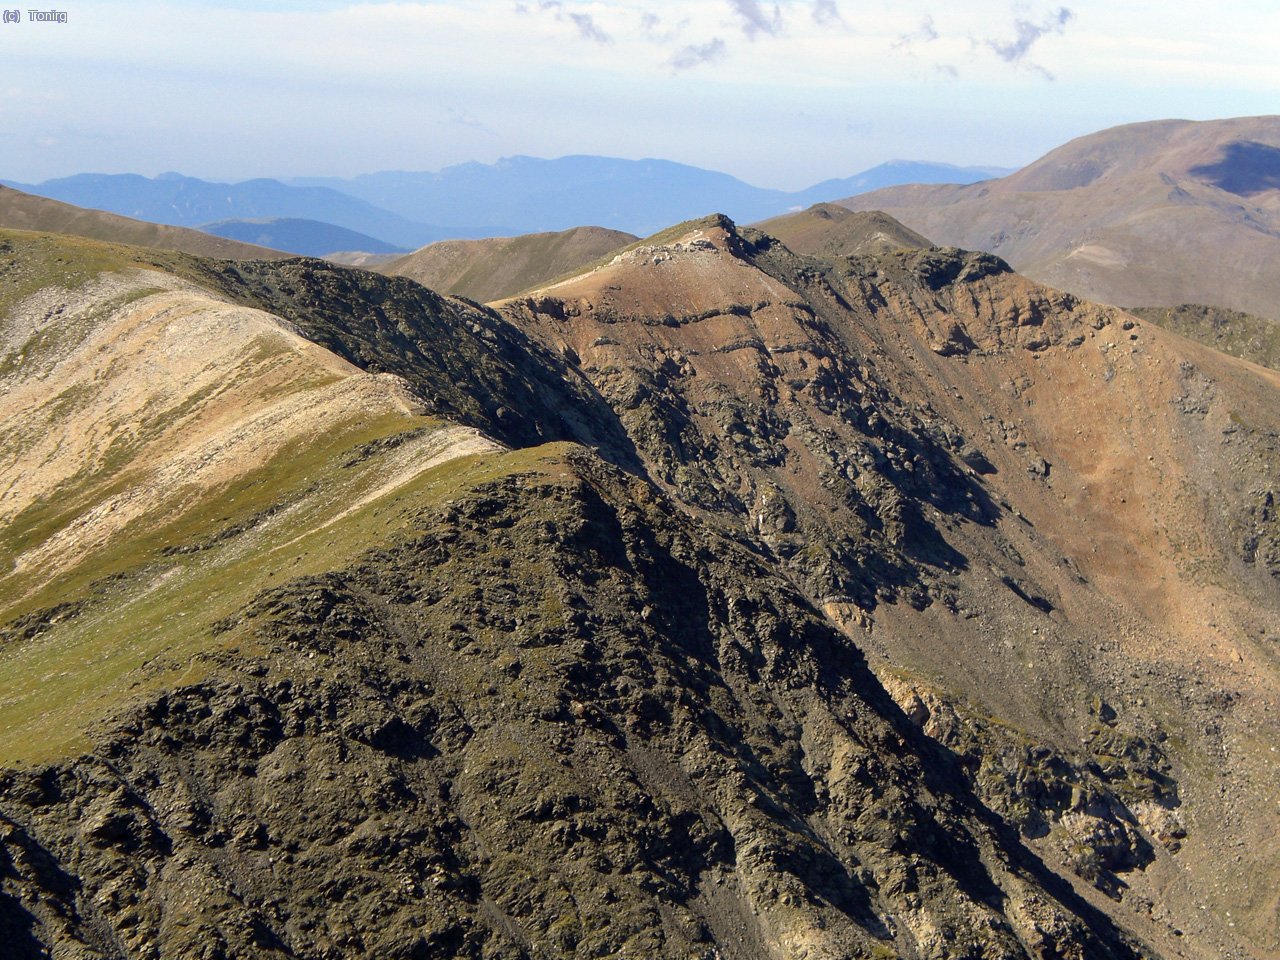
{"x":288,"y":88}
{"x":1026,"y":33}
{"x":696,"y":54}
{"x":826,"y":12}
{"x":757,"y":18}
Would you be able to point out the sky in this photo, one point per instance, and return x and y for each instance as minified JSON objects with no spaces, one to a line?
{"x":781,"y":94}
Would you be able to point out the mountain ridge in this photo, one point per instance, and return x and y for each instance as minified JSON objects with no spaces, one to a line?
{"x":636,"y":196}
{"x":183,"y":201}
{"x":22,"y":211}
{"x":841,"y":606}
{"x":1137,"y":215}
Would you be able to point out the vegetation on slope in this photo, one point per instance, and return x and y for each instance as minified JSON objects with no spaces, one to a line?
{"x":485,"y":270}
{"x":1238,"y":334}
{"x":22,"y":211}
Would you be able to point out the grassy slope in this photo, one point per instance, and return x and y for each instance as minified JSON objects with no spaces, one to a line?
{"x":829,"y":230}
{"x":1238,"y":334}
{"x":127,"y":639}
{"x":33,"y":260}
{"x":74,"y":646}
{"x":22,"y":211}
{"x":485,"y":270}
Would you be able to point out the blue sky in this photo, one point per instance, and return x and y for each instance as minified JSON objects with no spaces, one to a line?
{"x":781,"y":94}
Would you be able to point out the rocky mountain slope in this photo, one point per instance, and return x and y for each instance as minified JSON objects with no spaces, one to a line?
{"x":717,"y":602}
{"x":1149,"y":214}
{"x":484,"y":270}
{"x":1046,"y":511}
{"x":829,"y":230}
{"x":22,"y":211}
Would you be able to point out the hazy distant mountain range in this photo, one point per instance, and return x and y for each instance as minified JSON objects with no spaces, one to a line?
{"x":22,"y":211}
{"x":514,"y":196}
{"x":189,"y":202}
{"x":525,"y":195}
{"x":311,"y":238}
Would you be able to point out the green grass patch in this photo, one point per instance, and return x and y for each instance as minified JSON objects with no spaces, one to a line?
{"x":1242,"y":335}
{"x":151,"y":627}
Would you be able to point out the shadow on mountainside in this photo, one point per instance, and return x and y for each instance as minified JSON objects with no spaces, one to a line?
{"x":460,"y":358}
{"x":1247,"y":168}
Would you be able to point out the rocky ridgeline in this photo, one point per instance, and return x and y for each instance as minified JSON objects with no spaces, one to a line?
{"x":886,"y":480}
{"x":554,"y":718}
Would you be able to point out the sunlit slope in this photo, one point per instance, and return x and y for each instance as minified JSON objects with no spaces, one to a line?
{"x":498,"y":267}
{"x":830,"y":230}
{"x":750,"y":337}
{"x":24,"y":211}
{"x":163,"y":452}
{"x":1147,"y":214}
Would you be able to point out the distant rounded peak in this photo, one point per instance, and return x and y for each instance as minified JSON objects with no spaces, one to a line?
{"x":591,"y":230}
{"x":833,"y":230}
{"x":1178,"y":147}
